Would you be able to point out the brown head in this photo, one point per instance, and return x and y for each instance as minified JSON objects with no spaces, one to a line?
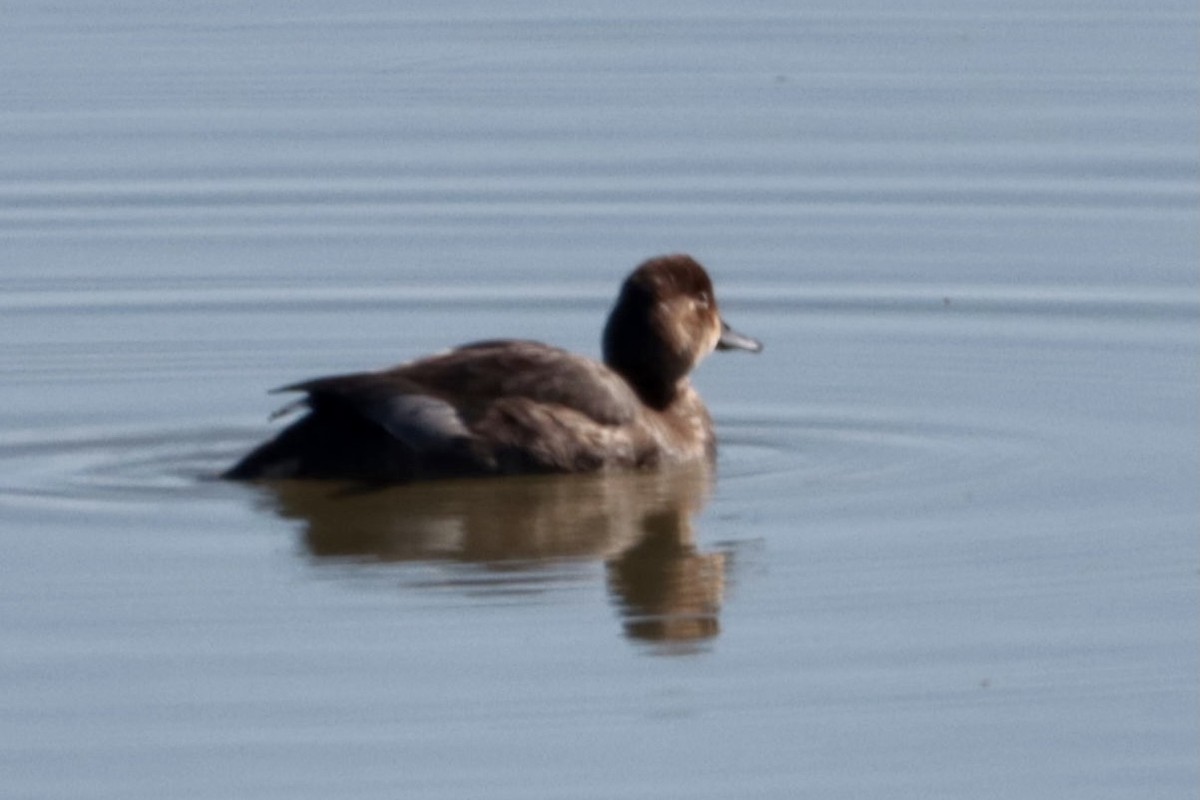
{"x":665,"y":321}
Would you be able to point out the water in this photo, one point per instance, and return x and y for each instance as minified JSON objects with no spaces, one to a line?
{"x":950,"y":547}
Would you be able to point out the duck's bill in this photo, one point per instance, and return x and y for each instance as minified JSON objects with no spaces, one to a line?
{"x":732,"y":340}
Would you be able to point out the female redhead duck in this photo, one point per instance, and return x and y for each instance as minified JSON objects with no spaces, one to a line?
{"x":509,"y":406}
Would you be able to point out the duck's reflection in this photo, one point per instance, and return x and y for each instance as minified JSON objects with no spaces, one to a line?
{"x":638,"y":524}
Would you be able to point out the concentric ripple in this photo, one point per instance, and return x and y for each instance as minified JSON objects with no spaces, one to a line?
{"x":117,"y":464}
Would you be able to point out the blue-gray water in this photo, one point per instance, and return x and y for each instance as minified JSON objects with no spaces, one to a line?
{"x":951,"y":550}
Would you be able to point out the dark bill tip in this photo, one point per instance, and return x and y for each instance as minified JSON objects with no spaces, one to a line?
{"x":732,"y":340}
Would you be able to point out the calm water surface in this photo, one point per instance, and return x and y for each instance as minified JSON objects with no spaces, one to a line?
{"x":950,"y":547}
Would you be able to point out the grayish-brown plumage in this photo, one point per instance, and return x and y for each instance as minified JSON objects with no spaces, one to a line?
{"x":509,"y":406}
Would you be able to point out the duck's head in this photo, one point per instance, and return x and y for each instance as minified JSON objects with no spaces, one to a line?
{"x":665,"y":321}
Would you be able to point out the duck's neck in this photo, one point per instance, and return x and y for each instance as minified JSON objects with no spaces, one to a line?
{"x":656,"y":394}
{"x":637,"y":352}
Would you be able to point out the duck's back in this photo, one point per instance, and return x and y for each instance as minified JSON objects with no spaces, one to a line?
{"x":492,"y":407}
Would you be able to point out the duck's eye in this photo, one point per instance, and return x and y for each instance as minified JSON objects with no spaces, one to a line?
{"x":703,"y":301}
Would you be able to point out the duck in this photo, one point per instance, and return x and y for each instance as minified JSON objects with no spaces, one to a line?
{"x":511,"y":406}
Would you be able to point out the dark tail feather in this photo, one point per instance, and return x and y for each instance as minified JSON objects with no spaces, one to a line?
{"x":334,"y":443}
{"x":327,"y":445}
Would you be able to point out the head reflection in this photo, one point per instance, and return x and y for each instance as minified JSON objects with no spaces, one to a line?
{"x":666,"y":589}
{"x":639,"y":524}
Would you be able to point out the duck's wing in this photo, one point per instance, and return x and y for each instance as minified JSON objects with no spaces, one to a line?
{"x":431,"y":403}
{"x":422,"y":421}
{"x":478,"y":374}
